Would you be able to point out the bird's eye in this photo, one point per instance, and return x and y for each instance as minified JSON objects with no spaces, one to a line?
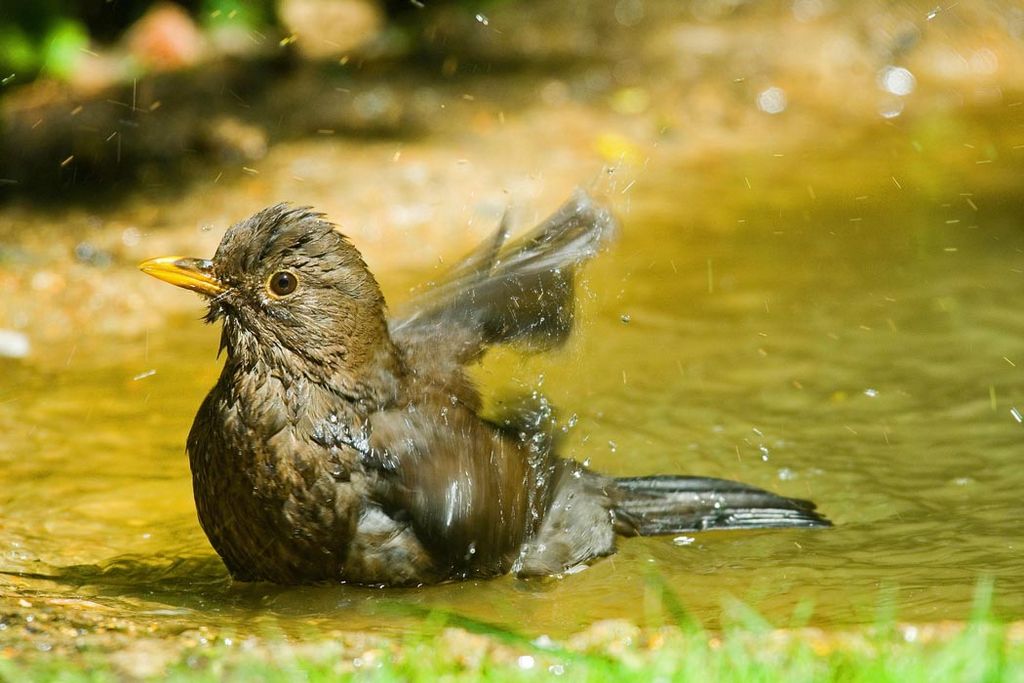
{"x":283,"y":283}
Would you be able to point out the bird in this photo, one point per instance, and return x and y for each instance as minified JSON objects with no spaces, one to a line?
{"x":342,"y":444}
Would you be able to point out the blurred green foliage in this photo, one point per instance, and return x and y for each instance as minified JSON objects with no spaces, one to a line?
{"x":246,"y":12}
{"x":49,"y":36}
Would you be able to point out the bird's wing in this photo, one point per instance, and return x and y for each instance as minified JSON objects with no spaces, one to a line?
{"x":519,"y":292}
{"x":470,"y":493}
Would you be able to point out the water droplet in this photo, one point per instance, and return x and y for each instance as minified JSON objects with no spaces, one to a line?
{"x":482,"y":19}
{"x":890,"y":108}
{"x":614,"y":447}
{"x":772,"y":100}
{"x":896,"y":80}
{"x":629,"y":12}
{"x":871,"y":393}
{"x":625,"y":317}
{"x":683,"y":540}
{"x":130,"y":237}
{"x":984,"y":62}
{"x":544,"y":641}
{"x":1016,"y":415}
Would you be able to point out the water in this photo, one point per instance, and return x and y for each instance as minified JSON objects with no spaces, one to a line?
{"x":816,"y":326}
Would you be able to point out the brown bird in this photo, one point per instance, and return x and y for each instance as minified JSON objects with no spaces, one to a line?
{"x":341,"y":445}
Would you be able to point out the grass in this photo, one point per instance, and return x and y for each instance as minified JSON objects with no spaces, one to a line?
{"x":452,"y":647}
{"x":981,"y":652}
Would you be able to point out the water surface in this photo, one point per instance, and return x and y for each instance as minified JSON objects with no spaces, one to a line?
{"x":817,"y":326}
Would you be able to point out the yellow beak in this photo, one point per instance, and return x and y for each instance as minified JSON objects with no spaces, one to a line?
{"x":189,"y":273}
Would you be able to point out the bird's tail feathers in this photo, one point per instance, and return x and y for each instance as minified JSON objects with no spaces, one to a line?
{"x":650,"y":506}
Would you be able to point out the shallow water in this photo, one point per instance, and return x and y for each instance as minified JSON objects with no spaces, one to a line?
{"x":814,"y":326}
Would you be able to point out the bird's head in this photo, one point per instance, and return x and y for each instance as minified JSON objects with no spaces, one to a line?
{"x":291,"y":290}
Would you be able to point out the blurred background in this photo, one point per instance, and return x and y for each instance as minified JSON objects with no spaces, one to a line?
{"x":124,"y":114}
{"x":109,"y":90}
{"x":816,"y":288}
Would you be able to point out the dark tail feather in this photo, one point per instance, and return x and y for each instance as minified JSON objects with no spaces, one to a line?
{"x":668,"y":504}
